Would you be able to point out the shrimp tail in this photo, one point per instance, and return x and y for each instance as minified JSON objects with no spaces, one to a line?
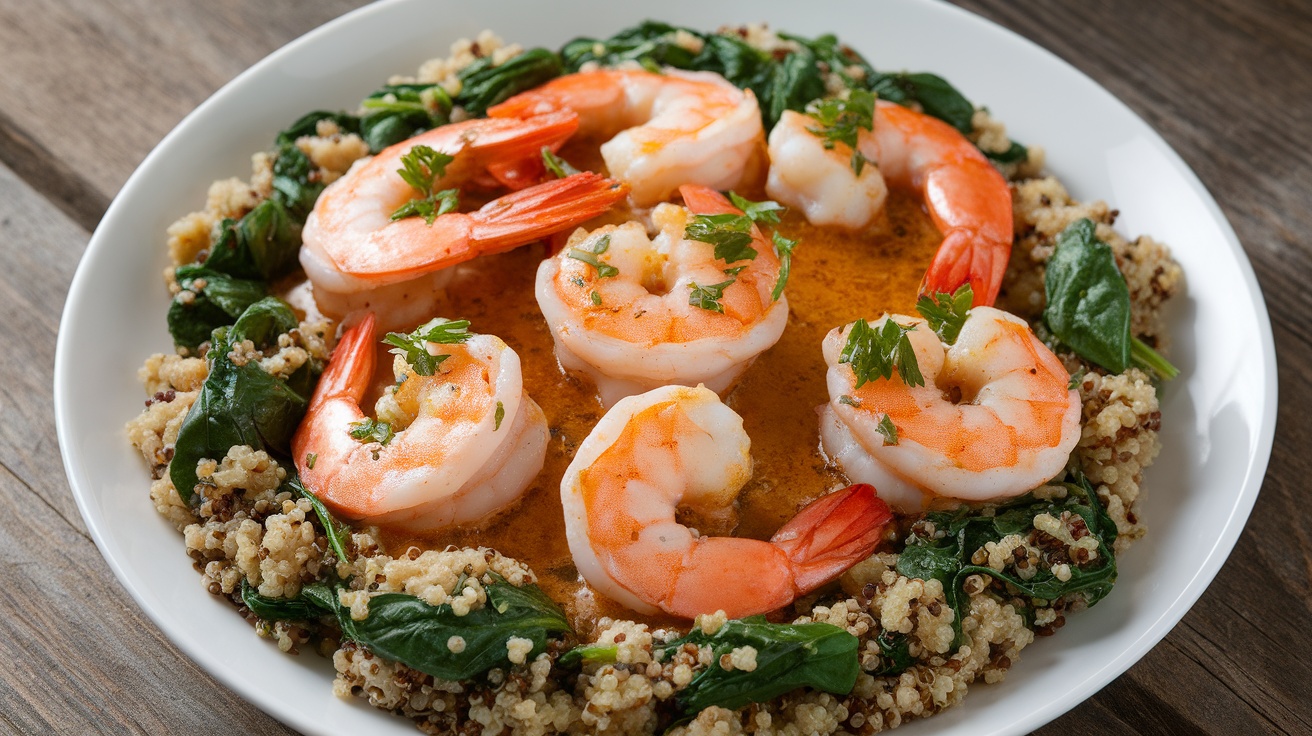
{"x":351,"y":367}
{"x":507,"y":143}
{"x":706,"y":201}
{"x":543,"y":210}
{"x":962,"y":259}
{"x":831,"y":534}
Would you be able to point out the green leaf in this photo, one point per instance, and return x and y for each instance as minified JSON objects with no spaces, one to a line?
{"x":895,"y":649}
{"x":788,"y":656}
{"x":397,"y":112}
{"x":588,"y":251}
{"x":764,"y":212}
{"x":371,"y":430}
{"x":422,"y":167}
{"x":875,"y":353}
{"x":1088,"y":307}
{"x":730,"y":234}
{"x":841,"y":121}
{"x":414,"y":346}
{"x":933,"y":93}
{"x":500,"y":415}
{"x":783,"y":247}
{"x":264,"y":244}
{"x":241,"y":404}
{"x":208,"y":300}
{"x":1014,"y":154}
{"x":336,"y":532}
{"x":558,"y":166}
{"x":296,"y":185}
{"x":483,"y":85}
{"x":308,"y":124}
{"x":405,"y":629}
{"x":304,"y":607}
{"x":888,"y":430}
{"x":848,"y":400}
{"x":592,"y":654}
{"x":947,"y":313}
{"x":708,"y":297}
{"x":1151,"y":361}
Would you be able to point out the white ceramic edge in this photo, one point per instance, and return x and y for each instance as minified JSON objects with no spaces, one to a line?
{"x":1253,"y":476}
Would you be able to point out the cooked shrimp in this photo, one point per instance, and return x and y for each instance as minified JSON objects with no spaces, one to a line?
{"x":664,"y":130}
{"x":357,"y":257}
{"x":966,"y":196}
{"x":634,"y":328}
{"x":474,"y":442}
{"x":996,"y":417}
{"x":680,"y":448}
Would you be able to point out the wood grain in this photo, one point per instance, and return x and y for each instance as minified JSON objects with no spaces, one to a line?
{"x":88,"y":88}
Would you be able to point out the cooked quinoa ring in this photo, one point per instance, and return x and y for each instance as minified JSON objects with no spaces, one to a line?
{"x":490,"y":627}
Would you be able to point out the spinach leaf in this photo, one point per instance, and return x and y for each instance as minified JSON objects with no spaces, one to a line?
{"x":947,"y":558}
{"x":241,"y":404}
{"x":308,"y":124}
{"x":208,"y":300}
{"x":304,"y":607}
{"x":1088,"y":307}
{"x":336,"y":532}
{"x":596,"y":653}
{"x":649,"y":40}
{"x":895,"y":648}
{"x":294,"y":186}
{"x":406,"y":629}
{"x":264,"y":244}
{"x":483,"y":85}
{"x":934,"y":94}
{"x":788,"y":656}
{"x":396,"y":112}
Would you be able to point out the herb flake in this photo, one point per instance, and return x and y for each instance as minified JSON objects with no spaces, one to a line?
{"x":946,"y":313}
{"x":730,"y":234}
{"x":421,"y":168}
{"x":371,"y":430}
{"x":588,"y":251}
{"x":414,"y":346}
{"x":841,"y":121}
{"x":708,"y":297}
{"x":876,"y":352}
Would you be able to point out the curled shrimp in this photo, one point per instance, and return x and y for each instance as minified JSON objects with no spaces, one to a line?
{"x":966,"y":196}
{"x":628,"y":322}
{"x":680,"y":448}
{"x":995,"y":418}
{"x":474,"y":440}
{"x":358,"y":258}
{"x":665,"y":130}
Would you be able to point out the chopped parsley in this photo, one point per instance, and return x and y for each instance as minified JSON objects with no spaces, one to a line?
{"x":421,"y":168}
{"x":848,"y":400}
{"x":734,"y":271}
{"x":371,"y":430}
{"x":588,"y":252}
{"x":783,"y":247}
{"x":708,"y":297}
{"x":501,"y":414}
{"x":767,"y":211}
{"x":557,"y":165}
{"x":730,"y":234}
{"x":310,"y":460}
{"x":841,"y":121}
{"x":887,"y":429}
{"x":1077,"y":378}
{"x":875,"y":353}
{"x":596,"y":299}
{"x":946,"y":313}
{"x":414,"y":346}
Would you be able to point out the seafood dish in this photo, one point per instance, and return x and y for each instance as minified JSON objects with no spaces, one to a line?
{"x":678,"y":381}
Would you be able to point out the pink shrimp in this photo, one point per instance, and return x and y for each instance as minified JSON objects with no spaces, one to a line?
{"x":681,"y":448}
{"x":966,"y":196}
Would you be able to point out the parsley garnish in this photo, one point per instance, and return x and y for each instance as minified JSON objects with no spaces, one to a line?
{"x":783,"y":247}
{"x":842,"y":120}
{"x":707,"y":297}
{"x":370,"y":430}
{"x":1077,"y":378}
{"x":588,"y":252}
{"x":414,"y":346}
{"x":501,"y":414}
{"x":845,"y":399}
{"x":767,"y":211}
{"x":874,"y":353}
{"x":946,"y":313}
{"x":310,"y":460}
{"x":596,"y":299}
{"x":557,"y":165}
{"x":421,"y":168}
{"x":730,"y":234}
{"x":887,"y":429}
{"x":734,"y":271}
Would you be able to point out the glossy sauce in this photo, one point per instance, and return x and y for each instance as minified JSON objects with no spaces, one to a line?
{"x":836,"y":278}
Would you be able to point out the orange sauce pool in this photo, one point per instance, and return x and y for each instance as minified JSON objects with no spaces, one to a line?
{"x":836,"y":278}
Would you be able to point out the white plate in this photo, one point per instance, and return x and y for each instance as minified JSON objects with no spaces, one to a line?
{"x":1218,"y":418}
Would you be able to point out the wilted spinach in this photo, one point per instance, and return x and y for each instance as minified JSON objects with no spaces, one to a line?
{"x":947,"y":558}
{"x":483,"y":85}
{"x":242,"y":404}
{"x":309,"y":605}
{"x":1088,"y":304}
{"x":264,"y":244}
{"x":396,"y":112}
{"x":208,"y":300}
{"x":788,"y":656}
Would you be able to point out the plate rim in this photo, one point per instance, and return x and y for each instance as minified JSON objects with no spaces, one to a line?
{"x":1217,"y":554}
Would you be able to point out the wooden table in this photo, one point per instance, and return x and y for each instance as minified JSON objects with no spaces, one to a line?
{"x":88,"y":88}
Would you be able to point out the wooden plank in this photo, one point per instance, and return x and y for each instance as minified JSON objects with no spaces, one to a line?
{"x":88,"y":659}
